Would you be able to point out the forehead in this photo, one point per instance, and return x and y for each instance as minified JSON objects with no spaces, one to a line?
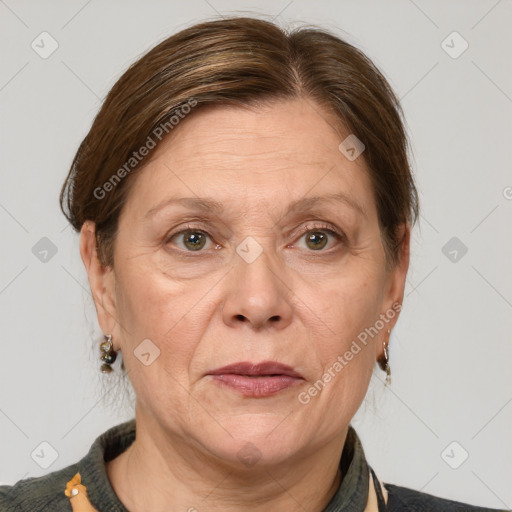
{"x":282,"y":152}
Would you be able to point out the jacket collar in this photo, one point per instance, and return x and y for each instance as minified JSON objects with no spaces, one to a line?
{"x":352,"y":495}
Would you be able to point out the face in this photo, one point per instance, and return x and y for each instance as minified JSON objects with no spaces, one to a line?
{"x":276,"y":257}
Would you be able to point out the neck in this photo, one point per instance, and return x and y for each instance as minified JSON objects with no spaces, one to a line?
{"x":159,"y":473}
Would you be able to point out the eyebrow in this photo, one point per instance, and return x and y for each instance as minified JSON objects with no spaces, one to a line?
{"x":308,"y":203}
{"x":300,"y":205}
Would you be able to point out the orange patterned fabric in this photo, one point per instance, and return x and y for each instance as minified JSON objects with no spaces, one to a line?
{"x":77,"y":494}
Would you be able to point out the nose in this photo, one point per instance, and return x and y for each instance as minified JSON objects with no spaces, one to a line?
{"x":258,"y":295}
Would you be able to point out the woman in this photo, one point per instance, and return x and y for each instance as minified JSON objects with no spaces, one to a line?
{"x":244,"y":202}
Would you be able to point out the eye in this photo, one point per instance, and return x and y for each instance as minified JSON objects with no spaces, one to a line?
{"x":195,"y":240}
{"x":317,"y":237}
{"x":192,"y":240}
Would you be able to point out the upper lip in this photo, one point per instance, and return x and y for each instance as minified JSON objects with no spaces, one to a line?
{"x":263,"y":368}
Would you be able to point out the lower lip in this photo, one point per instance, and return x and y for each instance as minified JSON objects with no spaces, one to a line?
{"x":256,"y":386}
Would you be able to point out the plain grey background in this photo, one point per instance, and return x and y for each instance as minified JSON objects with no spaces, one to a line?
{"x":451,"y":392}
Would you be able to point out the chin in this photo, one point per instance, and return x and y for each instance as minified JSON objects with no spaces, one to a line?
{"x":256,"y":439}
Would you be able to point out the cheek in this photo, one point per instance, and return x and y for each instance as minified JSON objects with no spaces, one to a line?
{"x":156,"y":319}
{"x":152,"y":300}
{"x":350,"y":303}
{"x":346,"y":347}
{"x":151,"y":306}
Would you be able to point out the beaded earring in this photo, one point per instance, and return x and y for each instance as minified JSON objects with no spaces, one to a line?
{"x":108,"y":354}
{"x":384,"y":361}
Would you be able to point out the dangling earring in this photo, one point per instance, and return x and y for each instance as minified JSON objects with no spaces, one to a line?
{"x":108,"y":354}
{"x":384,"y":361}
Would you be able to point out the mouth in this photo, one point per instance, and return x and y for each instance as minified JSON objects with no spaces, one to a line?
{"x":257,"y":380}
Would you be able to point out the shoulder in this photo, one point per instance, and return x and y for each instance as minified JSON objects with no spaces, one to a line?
{"x":47,"y":493}
{"x":405,"y":499}
{"x":38,"y":493}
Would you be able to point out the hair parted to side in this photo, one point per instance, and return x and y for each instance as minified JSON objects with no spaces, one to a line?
{"x":242,"y":62}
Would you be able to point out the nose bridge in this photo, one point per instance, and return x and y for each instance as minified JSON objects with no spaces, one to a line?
{"x":257,"y":294}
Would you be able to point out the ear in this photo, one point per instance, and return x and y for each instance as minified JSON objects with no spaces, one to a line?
{"x":101,"y":279}
{"x":395,"y":286}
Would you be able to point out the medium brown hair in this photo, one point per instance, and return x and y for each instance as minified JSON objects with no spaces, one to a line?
{"x":239,"y":61}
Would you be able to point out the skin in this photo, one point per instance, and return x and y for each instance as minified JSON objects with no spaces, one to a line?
{"x":295,"y":304}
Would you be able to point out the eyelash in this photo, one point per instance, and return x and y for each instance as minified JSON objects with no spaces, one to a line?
{"x":328,"y":228}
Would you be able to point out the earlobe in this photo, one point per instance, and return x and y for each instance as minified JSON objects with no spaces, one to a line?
{"x":101,"y":278}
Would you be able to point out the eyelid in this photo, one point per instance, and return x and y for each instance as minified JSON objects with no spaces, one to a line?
{"x":323,"y":227}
